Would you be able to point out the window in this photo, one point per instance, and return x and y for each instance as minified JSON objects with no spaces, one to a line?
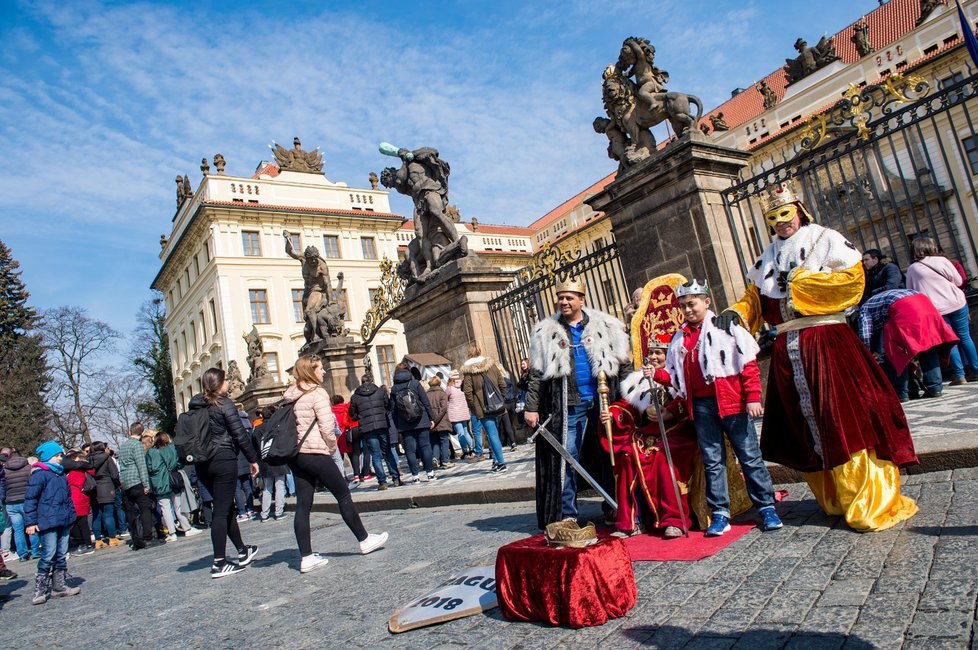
{"x":207,"y":251}
{"x":271,"y":361}
{"x":598,"y":243}
{"x":370,"y":296}
{"x":385,"y":358}
{"x":297,"y":305}
{"x":186,"y":348}
{"x":214,"y":316}
{"x":186,"y":277}
{"x":948,"y":82}
{"x":331,"y":247}
{"x":203,"y":326}
{"x":296,"y":242}
{"x":259,"y":305}
{"x":369,"y":248}
{"x":971,"y":150}
{"x":193,"y":337}
{"x":250,"y":243}
{"x":196,"y":266}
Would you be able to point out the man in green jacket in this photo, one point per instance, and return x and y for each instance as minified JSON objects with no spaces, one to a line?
{"x":136,"y":488}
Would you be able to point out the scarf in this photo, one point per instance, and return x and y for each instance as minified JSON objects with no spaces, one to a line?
{"x":50,"y":465}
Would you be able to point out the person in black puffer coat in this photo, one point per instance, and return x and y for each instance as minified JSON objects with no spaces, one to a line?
{"x":220,"y":474}
{"x":368,"y":407}
{"x":415,"y":432}
{"x":106,"y":483}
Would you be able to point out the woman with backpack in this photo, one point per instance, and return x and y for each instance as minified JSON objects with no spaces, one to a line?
{"x":162,"y":464}
{"x":316,"y":431}
{"x":219,"y":474}
{"x":484,"y":389}
{"x":409,"y":405}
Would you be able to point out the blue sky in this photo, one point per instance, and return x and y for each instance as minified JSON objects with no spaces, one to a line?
{"x":102,"y":104}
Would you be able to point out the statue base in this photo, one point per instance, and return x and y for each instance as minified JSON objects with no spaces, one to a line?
{"x":451,"y":309}
{"x":260,"y":393}
{"x":669,"y":213}
{"x":342,"y":359}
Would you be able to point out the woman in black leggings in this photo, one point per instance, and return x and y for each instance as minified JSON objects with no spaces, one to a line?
{"x":314,"y":463}
{"x":220,"y":474}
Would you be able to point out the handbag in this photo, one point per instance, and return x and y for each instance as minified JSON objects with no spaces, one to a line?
{"x":90,"y":485}
{"x":176,"y":481}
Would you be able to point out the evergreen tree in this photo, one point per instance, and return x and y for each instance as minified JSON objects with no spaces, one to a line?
{"x":24,"y":373}
{"x":151,"y":355}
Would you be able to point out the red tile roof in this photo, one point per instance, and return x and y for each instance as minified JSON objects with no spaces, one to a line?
{"x":294,"y":208}
{"x":485,"y":229}
{"x":886,"y":23}
{"x":571,"y":203}
{"x":266,"y":168}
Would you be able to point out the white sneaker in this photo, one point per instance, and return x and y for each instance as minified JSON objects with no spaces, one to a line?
{"x":373,"y":542}
{"x":190,"y":532}
{"x":314,"y":561}
{"x":171,"y":537}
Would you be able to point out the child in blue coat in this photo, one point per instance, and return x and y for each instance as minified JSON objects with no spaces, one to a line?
{"x":49,"y":511}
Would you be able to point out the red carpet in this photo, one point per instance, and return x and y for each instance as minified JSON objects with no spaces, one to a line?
{"x":646,"y":548}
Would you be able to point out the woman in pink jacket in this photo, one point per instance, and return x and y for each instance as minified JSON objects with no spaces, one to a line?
{"x":314,"y":462}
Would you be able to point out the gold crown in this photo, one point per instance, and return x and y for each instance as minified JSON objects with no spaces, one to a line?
{"x":572,"y":284}
{"x":777,"y":195}
{"x":568,"y":533}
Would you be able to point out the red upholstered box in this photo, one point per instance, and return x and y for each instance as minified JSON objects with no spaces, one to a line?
{"x":577,"y":587}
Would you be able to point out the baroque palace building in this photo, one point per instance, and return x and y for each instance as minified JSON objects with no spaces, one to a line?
{"x":225,"y":269}
{"x":767,"y":118}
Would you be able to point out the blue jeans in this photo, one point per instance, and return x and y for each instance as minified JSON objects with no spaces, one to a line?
{"x":441,"y":448}
{"x":103,"y":520}
{"x":740,"y":431}
{"x":958,"y":321}
{"x":576,"y":426}
{"x":15,"y":513}
{"x":930,"y":367}
{"x":492,"y":432}
{"x":462,"y":432}
{"x":121,"y":523}
{"x":290,"y":484}
{"x":477,"y":435}
{"x":413,"y":440}
{"x":244,"y":496}
{"x":379,"y":445}
{"x":54,"y":550}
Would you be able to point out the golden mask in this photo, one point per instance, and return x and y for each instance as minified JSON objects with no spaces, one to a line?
{"x":781,"y":214}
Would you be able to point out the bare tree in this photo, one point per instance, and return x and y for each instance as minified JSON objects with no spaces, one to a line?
{"x":123,"y":394}
{"x":75,"y":342}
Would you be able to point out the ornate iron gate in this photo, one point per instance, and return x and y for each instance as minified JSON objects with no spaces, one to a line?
{"x":532,"y":296}
{"x":886,"y":164}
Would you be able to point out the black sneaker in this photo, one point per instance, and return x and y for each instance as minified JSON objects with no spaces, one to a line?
{"x":501,"y":468}
{"x":7,"y":574}
{"x":245,"y":557}
{"x":225,"y":569}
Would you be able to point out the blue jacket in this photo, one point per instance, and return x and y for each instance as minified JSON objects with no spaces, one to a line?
{"x":47,"y":503}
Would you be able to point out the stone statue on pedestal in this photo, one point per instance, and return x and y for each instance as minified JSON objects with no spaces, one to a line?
{"x":770,"y":97}
{"x":860,"y":38}
{"x":297,"y":160}
{"x":219,"y":163}
{"x":718,"y":123}
{"x":323,"y":307}
{"x":256,"y":356}
{"x":809,"y":59}
{"x":205,"y":167}
{"x":236,"y":384}
{"x":635,"y":106}
{"x":424,"y":177}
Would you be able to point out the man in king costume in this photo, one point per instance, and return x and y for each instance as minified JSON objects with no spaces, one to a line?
{"x":567,"y":351}
{"x":830,"y":411}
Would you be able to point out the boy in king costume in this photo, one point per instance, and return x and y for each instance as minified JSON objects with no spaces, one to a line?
{"x":830,"y":411}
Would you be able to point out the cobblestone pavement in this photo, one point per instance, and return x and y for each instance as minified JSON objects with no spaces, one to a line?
{"x":814,"y":584}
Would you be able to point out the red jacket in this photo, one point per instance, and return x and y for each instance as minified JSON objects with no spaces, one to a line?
{"x":733,"y":393}
{"x":82,"y":501}
{"x":341,"y":412}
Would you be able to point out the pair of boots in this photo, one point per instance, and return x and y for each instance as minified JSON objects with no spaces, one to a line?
{"x":56,"y":583}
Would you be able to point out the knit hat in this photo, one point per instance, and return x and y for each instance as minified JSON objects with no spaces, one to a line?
{"x":48,"y":450}
{"x":453,"y":374}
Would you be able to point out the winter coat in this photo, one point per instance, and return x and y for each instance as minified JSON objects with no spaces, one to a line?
{"x":47,"y":502}
{"x":244,"y":469}
{"x":439,"y":409}
{"x":341,"y":413}
{"x":368,"y":406}
{"x":81,"y":501}
{"x":404,"y":381}
{"x":226,"y":428}
{"x":882,"y":277}
{"x":314,"y":406}
{"x":106,"y":477}
{"x":473,"y":372}
{"x":159,"y":475}
{"x":458,"y":408}
{"x":17,"y":471}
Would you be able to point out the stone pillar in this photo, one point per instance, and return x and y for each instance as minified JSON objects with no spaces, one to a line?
{"x":668,"y":216}
{"x":342,"y":359}
{"x":445,"y":314}
{"x":260,"y":393}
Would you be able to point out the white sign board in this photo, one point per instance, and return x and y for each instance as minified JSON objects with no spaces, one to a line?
{"x":470,"y":592}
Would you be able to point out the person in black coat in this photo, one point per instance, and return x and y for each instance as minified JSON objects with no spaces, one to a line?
{"x":407,"y":389}
{"x":881,"y":274}
{"x":219,"y":474}
{"x":106,"y":484}
{"x":368,"y":407}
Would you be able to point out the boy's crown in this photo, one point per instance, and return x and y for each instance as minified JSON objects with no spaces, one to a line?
{"x":693,"y":288}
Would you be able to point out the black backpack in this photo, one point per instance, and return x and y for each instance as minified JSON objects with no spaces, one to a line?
{"x":492,"y":398}
{"x":408,"y":406}
{"x":192,"y":437}
{"x":278,"y":436}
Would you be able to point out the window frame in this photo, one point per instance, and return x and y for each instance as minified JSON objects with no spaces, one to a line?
{"x":257,"y":305}
{"x":328,"y":253}
{"x":245,"y":243}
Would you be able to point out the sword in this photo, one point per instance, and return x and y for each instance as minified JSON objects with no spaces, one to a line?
{"x":549,"y":437}
{"x":655,"y":389}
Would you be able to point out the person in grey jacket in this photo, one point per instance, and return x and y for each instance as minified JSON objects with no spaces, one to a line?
{"x":368,"y":407}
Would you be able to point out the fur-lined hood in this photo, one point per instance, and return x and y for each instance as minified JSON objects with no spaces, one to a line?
{"x":476,"y":366}
{"x":604,"y":339}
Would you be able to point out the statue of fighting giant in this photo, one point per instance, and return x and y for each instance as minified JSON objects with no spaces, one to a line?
{"x":424,"y":177}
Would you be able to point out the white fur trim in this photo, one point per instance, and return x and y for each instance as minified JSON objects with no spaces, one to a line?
{"x":604,"y":339}
{"x":635,"y":390}
{"x":721,"y":354}
{"x":813,"y":248}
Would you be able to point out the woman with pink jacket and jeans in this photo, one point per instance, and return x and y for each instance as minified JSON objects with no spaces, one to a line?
{"x":314,"y":462}
{"x":458,"y":412}
{"x":933,"y":275}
